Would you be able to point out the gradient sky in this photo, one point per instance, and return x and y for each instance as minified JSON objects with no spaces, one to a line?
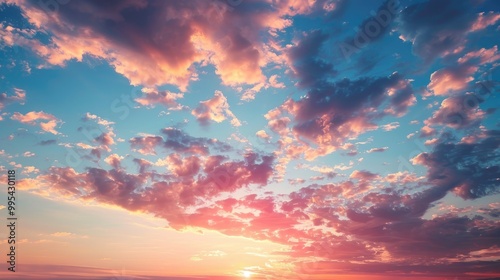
{"x":252,"y":139}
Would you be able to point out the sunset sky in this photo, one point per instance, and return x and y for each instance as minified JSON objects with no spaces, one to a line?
{"x":251,"y":139}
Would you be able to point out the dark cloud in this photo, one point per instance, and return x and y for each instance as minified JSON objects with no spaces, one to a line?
{"x":336,"y":111}
{"x":47,"y":142}
{"x":19,"y":96}
{"x":459,"y":112}
{"x":307,"y":64}
{"x":439,"y":28}
{"x":176,"y":140}
{"x":471,"y":170}
{"x":151,"y":42}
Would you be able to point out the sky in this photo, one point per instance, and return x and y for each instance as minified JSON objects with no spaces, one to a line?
{"x":251,"y":139}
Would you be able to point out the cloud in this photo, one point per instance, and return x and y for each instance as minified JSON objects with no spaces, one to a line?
{"x":152,"y":97}
{"x":114,"y":160}
{"x":19,"y":97}
{"x":176,"y":140}
{"x":47,"y":142}
{"x":127,"y":190}
{"x":469,"y":169}
{"x":377,"y":150}
{"x":262,"y":134}
{"x":103,"y":135}
{"x":273,"y":82}
{"x":146,"y":145}
{"x":88,"y":116}
{"x":484,"y":20}
{"x":33,"y":118}
{"x":449,"y":80}
{"x":391,"y":126}
{"x":188,"y":166}
{"x":162,"y":42}
{"x":28,"y":154}
{"x":362,"y":175}
{"x":445,"y":28}
{"x":456,"y":78}
{"x":64,"y":234}
{"x":331,"y":113}
{"x":334,"y":214}
{"x":373,"y":218}
{"x":459,"y":112}
{"x":215,"y":109}
{"x":305,"y":61}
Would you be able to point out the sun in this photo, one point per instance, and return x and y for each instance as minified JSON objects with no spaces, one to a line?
{"x":247,"y":273}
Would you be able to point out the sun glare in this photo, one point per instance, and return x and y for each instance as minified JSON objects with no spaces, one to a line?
{"x":247,"y":274}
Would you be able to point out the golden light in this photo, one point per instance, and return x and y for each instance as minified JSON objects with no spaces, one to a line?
{"x":247,"y":273}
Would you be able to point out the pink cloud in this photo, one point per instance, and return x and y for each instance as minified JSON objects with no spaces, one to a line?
{"x":390,"y":126}
{"x":183,"y":167}
{"x":273,"y":81}
{"x":484,"y":20}
{"x":453,"y":79}
{"x":449,"y":80}
{"x":215,"y":109}
{"x":114,"y":160}
{"x":363,"y":175}
{"x":263,"y":134}
{"x":320,"y":221}
{"x":105,"y":140}
{"x":458,"y":112}
{"x":32,"y":118}
{"x":185,"y":35}
{"x":153,"y":97}
{"x":146,"y":145}
{"x":328,"y":116}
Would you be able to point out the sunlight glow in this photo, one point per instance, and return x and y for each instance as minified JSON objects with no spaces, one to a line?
{"x":247,"y":273}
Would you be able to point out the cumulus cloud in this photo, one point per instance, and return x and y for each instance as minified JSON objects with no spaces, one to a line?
{"x":215,"y":109}
{"x":371,"y":217}
{"x":305,"y":61}
{"x":331,"y":113}
{"x":168,"y":42}
{"x":457,"y":78}
{"x":331,"y":215}
{"x":263,"y":134}
{"x":459,"y":112}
